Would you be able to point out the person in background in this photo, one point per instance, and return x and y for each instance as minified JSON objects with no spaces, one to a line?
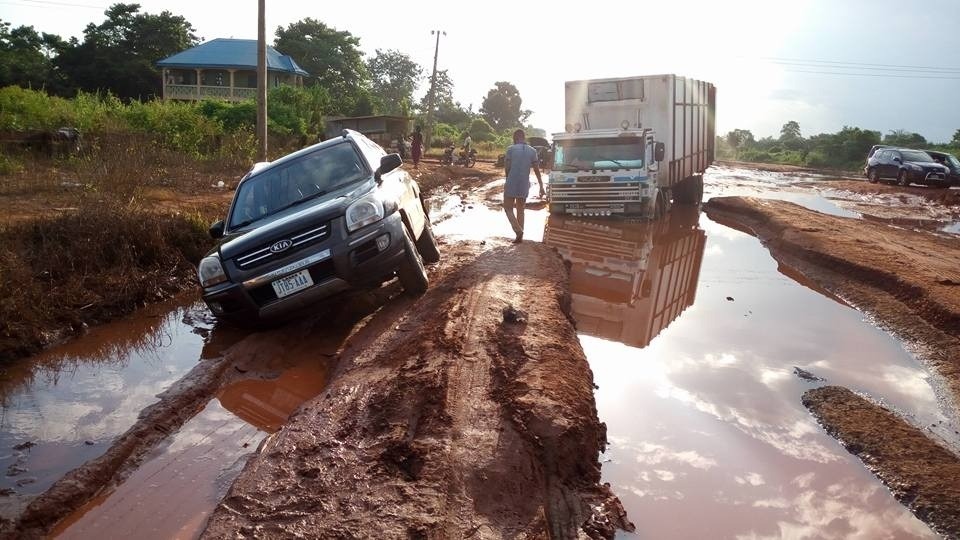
{"x":416,"y":140}
{"x":517,"y":162}
{"x":467,"y":143}
{"x":402,"y":146}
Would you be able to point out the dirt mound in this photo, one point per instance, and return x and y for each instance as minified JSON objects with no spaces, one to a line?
{"x":472,"y":414}
{"x":920,"y":473}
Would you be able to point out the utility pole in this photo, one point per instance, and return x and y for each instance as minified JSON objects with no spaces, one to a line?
{"x":261,"y":82}
{"x":432,"y":95}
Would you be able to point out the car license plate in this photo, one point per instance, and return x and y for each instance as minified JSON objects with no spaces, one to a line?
{"x":291,"y":284}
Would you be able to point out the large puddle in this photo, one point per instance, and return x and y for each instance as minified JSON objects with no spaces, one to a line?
{"x":694,"y":335}
{"x":65,"y":406}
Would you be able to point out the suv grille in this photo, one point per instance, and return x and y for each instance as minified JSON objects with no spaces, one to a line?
{"x":300,"y":240}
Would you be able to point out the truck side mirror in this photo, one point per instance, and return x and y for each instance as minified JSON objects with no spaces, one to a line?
{"x":216,"y":230}
{"x":659,"y":151}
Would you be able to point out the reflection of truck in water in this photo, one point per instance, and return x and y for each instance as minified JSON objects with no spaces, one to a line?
{"x":633,"y":145}
{"x":629,"y":281}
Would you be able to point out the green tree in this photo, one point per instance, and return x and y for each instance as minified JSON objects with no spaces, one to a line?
{"x":26,"y":57}
{"x":447,"y":110}
{"x":481,"y":131}
{"x":900,"y":137}
{"x":739,"y":138}
{"x":393,"y":77}
{"x":120,"y":54}
{"x":334,"y":60}
{"x":790,"y":136}
{"x":502,"y":107}
{"x":956,"y":138}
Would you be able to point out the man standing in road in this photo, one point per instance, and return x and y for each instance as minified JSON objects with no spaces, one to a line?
{"x":517,"y":162}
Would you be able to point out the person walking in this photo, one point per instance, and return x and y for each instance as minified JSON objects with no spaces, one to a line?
{"x":517,"y":162}
{"x":416,"y":150}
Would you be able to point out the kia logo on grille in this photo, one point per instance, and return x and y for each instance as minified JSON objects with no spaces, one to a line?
{"x":282,"y":245}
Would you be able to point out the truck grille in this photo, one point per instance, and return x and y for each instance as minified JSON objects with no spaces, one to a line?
{"x":300,"y":240}
{"x":594,"y":192}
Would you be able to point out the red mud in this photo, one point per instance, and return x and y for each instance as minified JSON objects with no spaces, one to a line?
{"x":467,"y":413}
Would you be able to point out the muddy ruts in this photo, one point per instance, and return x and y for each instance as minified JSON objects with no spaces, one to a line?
{"x":921,"y":474}
{"x":446,"y":420}
{"x":176,"y":406}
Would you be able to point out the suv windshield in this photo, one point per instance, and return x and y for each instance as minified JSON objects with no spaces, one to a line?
{"x":305,"y":178}
{"x":913,"y":155}
{"x":622,"y":152}
{"x":954,"y":162}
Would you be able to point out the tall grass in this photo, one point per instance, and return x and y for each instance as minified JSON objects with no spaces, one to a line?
{"x":58,"y":274}
{"x":201,"y":130}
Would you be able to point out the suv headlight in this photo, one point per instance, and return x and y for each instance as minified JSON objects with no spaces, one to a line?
{"x":364,"y":211}
{"x":211,"y":271}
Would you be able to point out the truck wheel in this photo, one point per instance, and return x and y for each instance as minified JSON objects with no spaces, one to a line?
{"x":412,"y":274}
{"x":659,"y":206}
{"x":689,"y":190}
{"x":427,"y":245}
{"x":874,"y":176}
{"x":902,"y":179}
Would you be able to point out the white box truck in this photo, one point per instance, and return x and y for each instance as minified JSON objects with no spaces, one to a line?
{"x":633,"y":146}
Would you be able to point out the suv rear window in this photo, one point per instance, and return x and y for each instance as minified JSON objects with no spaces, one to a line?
{"x":307,"y":177}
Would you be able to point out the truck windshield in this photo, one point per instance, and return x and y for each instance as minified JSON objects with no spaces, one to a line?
{"x":298,"y":181}
{"x":618,"y":153}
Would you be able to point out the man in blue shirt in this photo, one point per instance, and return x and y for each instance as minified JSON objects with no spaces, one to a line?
{"x":517,"y":162}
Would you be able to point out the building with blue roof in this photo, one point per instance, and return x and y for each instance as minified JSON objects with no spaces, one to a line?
{"x":225,"y":69}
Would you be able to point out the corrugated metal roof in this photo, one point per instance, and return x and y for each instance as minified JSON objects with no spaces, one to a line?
{"x":230,"y":54}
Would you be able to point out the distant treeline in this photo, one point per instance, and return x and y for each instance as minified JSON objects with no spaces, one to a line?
{"x":845,"y":149}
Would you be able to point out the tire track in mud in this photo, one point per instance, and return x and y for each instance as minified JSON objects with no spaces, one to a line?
{"x":421,"y":434}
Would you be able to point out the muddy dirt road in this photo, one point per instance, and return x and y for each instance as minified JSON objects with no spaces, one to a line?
{"x":700,"y":343}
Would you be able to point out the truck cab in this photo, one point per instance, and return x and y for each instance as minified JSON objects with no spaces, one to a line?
{"x":604,"y":172}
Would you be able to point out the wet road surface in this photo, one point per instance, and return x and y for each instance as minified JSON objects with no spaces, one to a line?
{"x":65,"y":406}
{"x":693,"y":334}
{"x":698,"y":378}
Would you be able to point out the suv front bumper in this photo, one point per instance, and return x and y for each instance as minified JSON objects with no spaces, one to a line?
{"x":342,"y":262}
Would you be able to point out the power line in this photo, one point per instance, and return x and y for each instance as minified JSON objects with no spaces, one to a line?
{"x":851,"y":64}
{"x":883,"y":75}
{"x":868,"y":69}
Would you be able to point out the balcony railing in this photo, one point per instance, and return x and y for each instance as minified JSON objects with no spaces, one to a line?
{"x":192,"y":91}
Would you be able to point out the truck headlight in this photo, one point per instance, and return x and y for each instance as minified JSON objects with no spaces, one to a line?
{"x":364,"y":211}
{"x":211,"y":271}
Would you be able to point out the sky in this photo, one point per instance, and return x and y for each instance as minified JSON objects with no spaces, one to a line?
{"x":877,"y":64}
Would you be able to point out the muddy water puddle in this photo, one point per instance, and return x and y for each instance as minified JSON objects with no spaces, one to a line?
{"x":694,"y":336}
{"x":65,"y":406}
{"x":822,"y":193}
{"x":173,"y":493}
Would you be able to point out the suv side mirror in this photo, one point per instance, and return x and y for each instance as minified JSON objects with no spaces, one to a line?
{"x":897,"y":159}
{"x":388,"y":163}
{"x":659,"y":151}
{"x":216,"y":230}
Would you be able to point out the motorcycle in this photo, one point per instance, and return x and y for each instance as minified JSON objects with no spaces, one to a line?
{"x":467,"y":159}
{"x":463,"y":159}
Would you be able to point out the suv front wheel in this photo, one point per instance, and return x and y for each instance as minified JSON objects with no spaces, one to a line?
{"x":874,"y":176}
{"x":902,"y":179}
{"x":412,"y":274}
{"x":427,"y":245}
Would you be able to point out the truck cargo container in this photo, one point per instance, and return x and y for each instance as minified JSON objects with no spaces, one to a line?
{"x":632,"y":146}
